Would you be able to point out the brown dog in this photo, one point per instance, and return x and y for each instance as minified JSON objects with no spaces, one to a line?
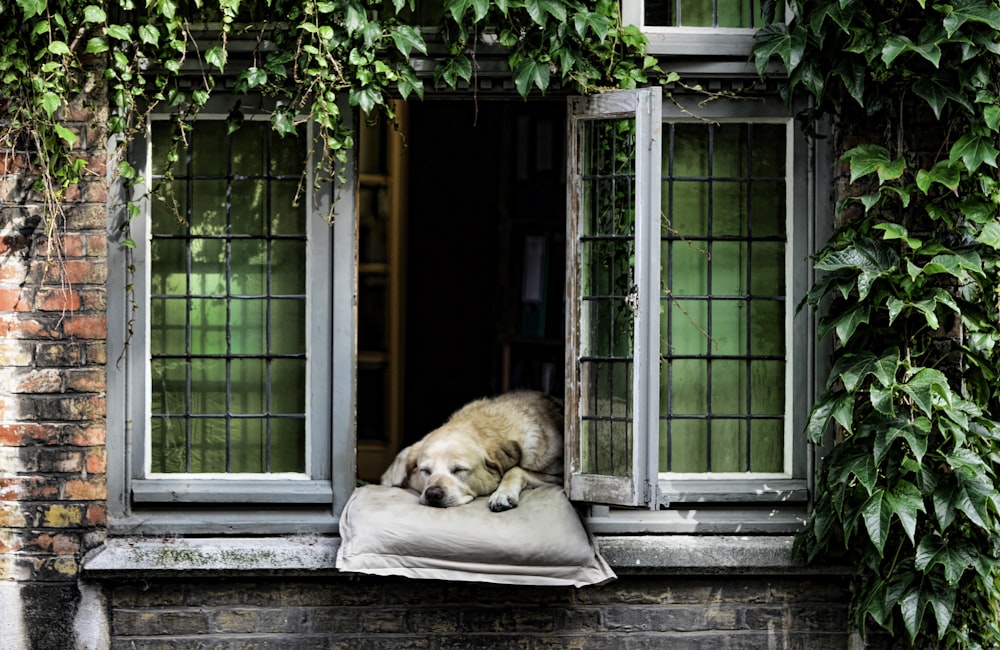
{"x":497,"y":446}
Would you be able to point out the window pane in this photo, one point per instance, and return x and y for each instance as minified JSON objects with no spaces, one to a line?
{"x":705,"y":13}
{"x":723,"y":275}
{"x":607,"y":289}
{"x":228,"y":357}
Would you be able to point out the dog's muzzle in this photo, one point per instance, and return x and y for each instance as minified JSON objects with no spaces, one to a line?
{"x":434,"y":496}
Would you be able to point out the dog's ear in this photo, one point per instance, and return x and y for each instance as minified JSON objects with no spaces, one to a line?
{"x":401,"y":467}
{"x":503,"y":455}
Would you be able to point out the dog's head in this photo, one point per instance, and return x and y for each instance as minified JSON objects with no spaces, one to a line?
{"x":453,"y":465}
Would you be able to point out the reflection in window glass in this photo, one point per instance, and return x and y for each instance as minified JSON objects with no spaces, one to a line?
{"x":227,"y":306}
{"x":705,"y":13}
{"x":723,"y":298}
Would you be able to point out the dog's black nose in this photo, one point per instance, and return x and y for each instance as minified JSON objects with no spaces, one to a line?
{"x":434,"y":495}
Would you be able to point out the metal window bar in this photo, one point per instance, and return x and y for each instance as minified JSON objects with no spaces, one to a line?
{"x":673,"y":238}
{"x":229,"y":297}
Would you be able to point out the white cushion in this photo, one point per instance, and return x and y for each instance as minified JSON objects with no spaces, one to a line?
{"x":386,"y":531}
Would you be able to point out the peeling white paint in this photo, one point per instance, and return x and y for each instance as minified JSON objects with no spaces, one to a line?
{"x":13,"y":635}
{"x":90,"y":626}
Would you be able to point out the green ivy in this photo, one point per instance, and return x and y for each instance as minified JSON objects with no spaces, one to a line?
{"x":305,"y":54}
{"x":910,"y":293}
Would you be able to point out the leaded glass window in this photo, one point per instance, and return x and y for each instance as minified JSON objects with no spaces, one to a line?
{"x":722,"y":402}
{"x":227,"y":348}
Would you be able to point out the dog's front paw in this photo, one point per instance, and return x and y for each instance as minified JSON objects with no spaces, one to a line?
{"x":500,"y":501}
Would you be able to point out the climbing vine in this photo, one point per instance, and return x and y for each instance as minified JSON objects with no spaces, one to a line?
{"x":910,"y":293}
{"x":306,"y":56}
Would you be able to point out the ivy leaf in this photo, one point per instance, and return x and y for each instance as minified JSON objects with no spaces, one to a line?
{"x":120,"y":32}
{"x":873,"y":158}
{"x":775,"y":39}
{"x":914,"y":433}
{"x":355,"y":17}
{"x":407,"y":38}
{"x":216,"y":56}
{"x":944,"y":172}
{"x":479,"y":9}
{"x":974,"y":150}
{"x":877,"y":513}
{"x":912,"y":607}
{"x":953,"y":554}
{"x":149,"y":34}
{"x":897,"y":44}
{"x":853,"y":368}
{"x":459,"y":67}
{"x":990,"y":235}
{"x":958,"y":12}
{"x":845,"y":323}
{"x":96,"y":45}
{"x":409,"y":82}
{"x":905,"y":501}
{"x":367,"y":98}
{"x":530,"y":72}
{"x":50,"y":102}
{"x":869,"y":257}
{"x":937,"y":94}
{"x":991,"y":115}
{"x":32,"y":8}
{"x":65,"y":134}
{"x":921,"y":386}
{"x":821,"y":413}
{"x":591,"y":21}
{"x":955,"y":264}
{"x":539,"y":10}
{"x":897,"y":231}
{"x":94,"y":14}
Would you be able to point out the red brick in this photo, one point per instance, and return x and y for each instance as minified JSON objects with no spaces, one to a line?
{"x":12,"y":515}
{"x":59,"y":354}
{"x":50,"y":544}
{"x":97,"y":514}
{"x":93,"y":299}
{"x":29,"y":488}
{"x":86,"y":380}
{"x":57,"y":300}
{"x":86,"y":326}
{"x":37,"y":381}
{"x":86,"y":435}
{"x":16,"y":435}
{"x":97,"y":461}
{"x":77,"y":272}
{"x":74,"y":245}
{"x":86,"y":490}
{"x":97,"y":244}
{"x":16,"y":327}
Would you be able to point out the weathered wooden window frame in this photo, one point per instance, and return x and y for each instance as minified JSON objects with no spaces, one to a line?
{"x":712,"y":504}
{"x":241,"y":504}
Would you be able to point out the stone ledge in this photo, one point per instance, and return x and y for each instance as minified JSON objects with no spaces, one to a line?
{"x":316,"y":555}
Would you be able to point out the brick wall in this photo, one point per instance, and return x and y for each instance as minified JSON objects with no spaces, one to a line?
{"x":52,"y":392}
{"x":679,"y":613}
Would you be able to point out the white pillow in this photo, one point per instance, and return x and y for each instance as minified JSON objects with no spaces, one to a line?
{"x":385,"y":531}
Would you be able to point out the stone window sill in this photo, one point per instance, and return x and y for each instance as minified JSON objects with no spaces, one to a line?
{"x":316,"y":555}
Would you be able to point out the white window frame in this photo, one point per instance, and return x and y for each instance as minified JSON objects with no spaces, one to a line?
{"x":689,"y":41}
{"x":140,"y":501}
{"x":702,"y":503}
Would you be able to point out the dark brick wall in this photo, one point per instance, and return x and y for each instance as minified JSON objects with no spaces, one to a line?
{"x":368,"y":613}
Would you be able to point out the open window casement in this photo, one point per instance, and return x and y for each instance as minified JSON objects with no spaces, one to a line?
{"x":688,"y":369}
{"x":613,"y":274}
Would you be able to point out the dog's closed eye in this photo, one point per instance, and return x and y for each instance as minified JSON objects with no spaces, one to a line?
{"x":459,"y":470}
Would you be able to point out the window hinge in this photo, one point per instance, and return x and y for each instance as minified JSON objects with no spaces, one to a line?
{"x":651,"y":494}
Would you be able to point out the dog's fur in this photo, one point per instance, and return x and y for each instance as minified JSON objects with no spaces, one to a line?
{"x":497,"y":446}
